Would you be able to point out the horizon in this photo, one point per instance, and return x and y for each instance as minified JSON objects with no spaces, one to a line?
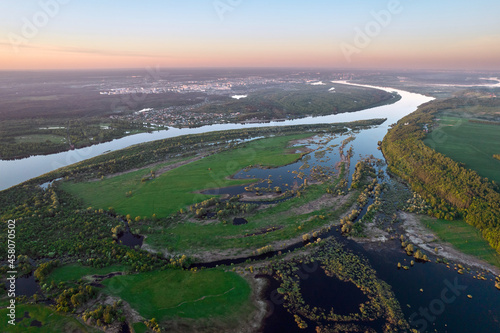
{"x":363,"y":35}
{"x":385,"y":70}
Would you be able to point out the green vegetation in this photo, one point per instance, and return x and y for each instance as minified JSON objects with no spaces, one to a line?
{"x":463,"y":237}
{"x":51,"y":321}
{"x":170,"y":294}
{"x":451,"y":190}
{"x":303,"y":100}
{"x":51,"y":224}
{"x":272,"y":224}
{"x":472,"y":143}
{"x":142,"y":155}
{"x":74,"y":272}
{"x":22,"y":138}
{"x":54,"y":224}
{"x":140,"y":327}
{"x":175,"y":189}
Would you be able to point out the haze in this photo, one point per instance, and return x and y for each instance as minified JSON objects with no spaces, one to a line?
{"x":65,"y":34}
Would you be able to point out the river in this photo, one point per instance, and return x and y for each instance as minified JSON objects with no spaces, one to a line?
{"x":17,"y":171}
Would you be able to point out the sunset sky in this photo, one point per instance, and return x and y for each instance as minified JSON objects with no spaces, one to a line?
{"x":422,"y":34}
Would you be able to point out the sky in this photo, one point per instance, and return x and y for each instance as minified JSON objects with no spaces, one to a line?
{"x":388,"y":34}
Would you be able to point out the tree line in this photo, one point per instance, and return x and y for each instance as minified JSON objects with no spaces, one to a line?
{"x":451,"y":190}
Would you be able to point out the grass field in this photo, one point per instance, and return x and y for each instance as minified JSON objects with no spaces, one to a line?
{"x":50,"y":320}
{"x":183,"y":237}
{"x":473,"y":144}
{"x":171,"y":294}
{"x":140,"y":327}
{"x":74,"y":272}
{"x":176,"y":189}
{"x":463,"y":237}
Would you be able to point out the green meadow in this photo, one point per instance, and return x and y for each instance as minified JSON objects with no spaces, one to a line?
{"x":178,"y":188}
{"x":183,"y":237}
{"x":171,"y":294}
{"x":473,"y":144}
{"x":463,"y":237}
{"x":74,"y":272}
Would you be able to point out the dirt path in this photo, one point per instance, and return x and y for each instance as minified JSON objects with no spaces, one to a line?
{"x":323,"y":202}
{"x":419,"y":235}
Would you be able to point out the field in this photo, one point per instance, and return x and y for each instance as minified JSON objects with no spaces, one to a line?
{"x":177,"y":188}
{"x":473,"y":144}
{"x":74,"y":272}
{"x":289,"y":222}
{"x":51,"y":321}
{"x":463,"y":237}
{"x":171,"y":294}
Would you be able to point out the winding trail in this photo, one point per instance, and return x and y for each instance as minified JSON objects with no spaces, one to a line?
{"x":199,"y":299}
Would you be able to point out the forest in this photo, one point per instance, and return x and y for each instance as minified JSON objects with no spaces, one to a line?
{"x":452,"y":190}
{"x":303,"y":100}
{"x":22,"y":138}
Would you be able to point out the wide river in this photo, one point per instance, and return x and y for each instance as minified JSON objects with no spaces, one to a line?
{"x":17,"y":171}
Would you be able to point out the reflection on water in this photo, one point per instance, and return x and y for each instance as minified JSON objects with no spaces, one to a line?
{"x":130,"y":240}
{"x":27,"y":285}
{"x":321,"y":290}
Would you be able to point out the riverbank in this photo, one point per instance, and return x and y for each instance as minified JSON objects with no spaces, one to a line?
{"x":423,"y":238}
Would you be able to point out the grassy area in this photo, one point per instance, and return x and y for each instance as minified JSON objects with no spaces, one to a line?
{"x":473,"y":144}
{"x":463,"y":237}
{"x":74,"y":272}
{"x":176,"y":189}
{"x":186,"y":236}
{"x":40,"y":138}
{"x":171,"y":294}
{"x":140,"y":327}
{"x":50,"y":320}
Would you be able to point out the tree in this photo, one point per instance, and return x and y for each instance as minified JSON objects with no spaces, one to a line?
{"x":409,"y":249}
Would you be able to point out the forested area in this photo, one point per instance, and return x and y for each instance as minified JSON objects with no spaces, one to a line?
{"x":452,"y":190}
{"x":51,"y":224}
{"x":22,"y":138}
{"x":302,"y":101}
